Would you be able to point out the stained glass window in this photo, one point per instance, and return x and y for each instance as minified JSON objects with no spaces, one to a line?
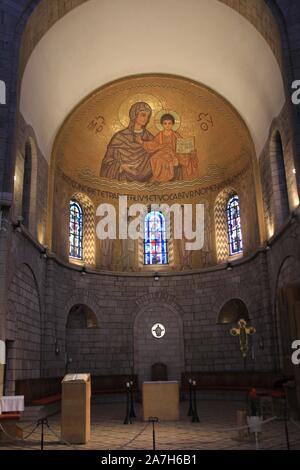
{"x":76,"y":230}
{"x":234,"y":226}
{"x":155,"y":244}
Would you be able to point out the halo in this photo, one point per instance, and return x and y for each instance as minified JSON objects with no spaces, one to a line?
{"x":159,"y":115}
{"x":151,"y":100}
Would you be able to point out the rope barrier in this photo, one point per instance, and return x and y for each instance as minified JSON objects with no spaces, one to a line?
{"x":31,"y":432}
{"x":15,"y":441}
{"x":62,"y":440}
{"x":134,"y":438}
{"x":22,"y":442}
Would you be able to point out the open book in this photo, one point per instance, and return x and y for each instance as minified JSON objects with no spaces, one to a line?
{"x":185,"y":145}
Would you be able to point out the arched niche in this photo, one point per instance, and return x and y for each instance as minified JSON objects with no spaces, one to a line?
{"x":81,"y":316}
{"x":233,"y":311}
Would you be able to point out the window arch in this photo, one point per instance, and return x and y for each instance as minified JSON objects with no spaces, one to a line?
{"x":155,"y":239}
{"x":234,"y":229}
{"x":279,"y":184}
{"x":76,"y":230}
{"x":27,"y":184}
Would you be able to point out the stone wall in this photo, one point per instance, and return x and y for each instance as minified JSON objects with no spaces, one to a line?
{"x":118,"y":300}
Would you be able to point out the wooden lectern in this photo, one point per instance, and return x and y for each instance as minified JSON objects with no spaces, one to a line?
{"x":76,"y":408}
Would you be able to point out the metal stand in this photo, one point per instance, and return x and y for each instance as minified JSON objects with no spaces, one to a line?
{"x":256,"y":441}
{"x":127,"y":419}
{"x":153,"y":421}
{"x":286,"y":429}
{"x":132,"y":412}
{"x":190,"y":411}
{"x":41,"y":423}
{"x":195,"y":418}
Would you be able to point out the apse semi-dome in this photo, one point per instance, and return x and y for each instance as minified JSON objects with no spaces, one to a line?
{"x":92,"y":45}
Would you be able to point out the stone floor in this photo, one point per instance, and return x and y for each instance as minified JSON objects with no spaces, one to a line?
{"x":213,"y":432}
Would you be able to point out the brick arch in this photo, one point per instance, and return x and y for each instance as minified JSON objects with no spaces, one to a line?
{"x":229,"y":294}
{"x":81,"y":316}
{"x":24,"y":327}
{"x":221,"y":232}
{"x":13,"y":299}
{"x":86,"y":298}
{"x":84,"y":346}
{"x":154,"y":298}
{"x":288,"y":278}
{"x":89,"y":229}
{"x":239,"y":308}
{"x":170,"y":350}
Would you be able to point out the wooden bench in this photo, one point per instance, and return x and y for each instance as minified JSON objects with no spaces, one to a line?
{"x":112,"y":384}
{"x":47,"y":400}
{"x":9,"y":429}
{"x":47,"y":391}
{"x":34,"y":390}
{"x":10,"y":416}
{"x":241,"y":381}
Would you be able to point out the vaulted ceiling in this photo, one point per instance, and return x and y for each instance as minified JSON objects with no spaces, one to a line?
{"x":103,"y":40}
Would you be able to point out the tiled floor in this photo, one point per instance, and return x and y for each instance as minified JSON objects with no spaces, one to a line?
{"x":213,"y":432}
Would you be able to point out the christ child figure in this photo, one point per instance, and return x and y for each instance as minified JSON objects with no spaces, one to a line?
{"x":166,"y":164}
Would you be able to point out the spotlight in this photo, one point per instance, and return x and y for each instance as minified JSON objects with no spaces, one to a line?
{"x":44,"y":252}
{"x":83,"y":271}
{"x":156,"y":277}
{"x":229,"y":267}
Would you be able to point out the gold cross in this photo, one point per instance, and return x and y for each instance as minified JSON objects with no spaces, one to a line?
{"x":243,"y":332}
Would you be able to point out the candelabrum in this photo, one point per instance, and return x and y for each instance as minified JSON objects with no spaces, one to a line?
{"x":190,"y":410}
{"x":195,"y":418}
{"x":132,"y":412}
{"x":127,"y":419}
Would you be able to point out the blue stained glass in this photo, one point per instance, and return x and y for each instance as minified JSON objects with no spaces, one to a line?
{"x":155,"y":243}
{"x":235,"y":238}
{"x":76,"y":230}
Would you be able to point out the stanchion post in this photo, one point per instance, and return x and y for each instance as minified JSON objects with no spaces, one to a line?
{"x":190,"y":410}
{"x":41,"y":422}
{"x":256,"y":441}
{"x":132,"y":412}
{"x":195,"y":418}
{"x":153,"y":420}
{"x":127,"y":417}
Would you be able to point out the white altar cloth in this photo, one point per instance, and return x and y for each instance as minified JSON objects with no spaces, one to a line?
{"x":12,"y":404}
